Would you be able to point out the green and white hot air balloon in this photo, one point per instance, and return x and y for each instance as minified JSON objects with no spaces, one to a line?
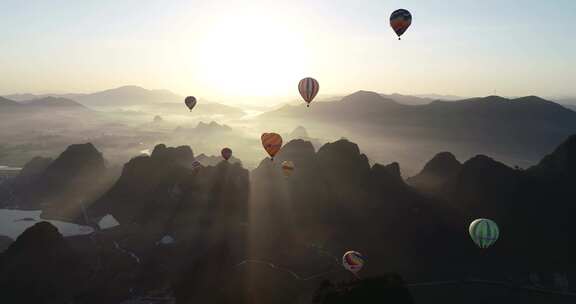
{"x":484,"y":232}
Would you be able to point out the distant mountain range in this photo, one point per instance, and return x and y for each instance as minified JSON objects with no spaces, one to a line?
{"x":52,"y":103}
{"x":121,"y":96}
{"x":440,"y":97}
{"x":527,"y":127}
{"x":159,"y":101}
{"x":419,"y":99}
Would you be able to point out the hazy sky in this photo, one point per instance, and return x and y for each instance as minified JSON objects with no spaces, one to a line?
{"x":238,"y":49}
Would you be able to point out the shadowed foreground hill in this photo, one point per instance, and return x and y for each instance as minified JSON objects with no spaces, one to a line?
{"x":531,"y":206}
{"x":336,"y":199}
{"x":41,"y":267}
{"x":436,"y":172}
{"x":60,"y":186}
{"x":260,"y":237}
{"x":384,"y":289}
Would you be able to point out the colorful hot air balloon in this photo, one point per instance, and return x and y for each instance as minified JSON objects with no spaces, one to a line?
{"x":272,"y":142}
{"x":400,"y":21}
{"x":190,"y":102}
{"x":484,"y":232}
{"x":287,"y":167}
{"x":353,"y":261}
{"x":226,"y":153}
{"x":308,"y":88}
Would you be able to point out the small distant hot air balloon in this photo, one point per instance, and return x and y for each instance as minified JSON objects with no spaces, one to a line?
{"x":226,"y":153}
{"x":353,"y":261}
{"x":484,"y":232}
{"x":196,"y":164}
{"x":287,"y":167}
{"x":190,"y":102}
{"x":400,"y":21}
{"x":308,"y":88}
{"x":272,"y":142}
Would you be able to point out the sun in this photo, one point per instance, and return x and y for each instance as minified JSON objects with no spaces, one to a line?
{"x":250,"y":56}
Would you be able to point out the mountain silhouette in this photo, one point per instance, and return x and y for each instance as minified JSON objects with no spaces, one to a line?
{"x":408,"y":99}
{"x":127,"y":95}
{"x":212,"y":127}
{"x":141,"y":177}
{"x":22,"y":183}
{"x":5,"y":102}
{"x":520,"y":130}
{"x":59,"y":187}
{"x":441,"y":168}
{"x":159,"y":101}
{"x":560,"y":162}
{"x":42,"y":104}
{"x":5,"y":242}
{"x":264,"y":237}
{"x":214,"y":160}
{"x":41,"y":267}
{"x":53,"y":102}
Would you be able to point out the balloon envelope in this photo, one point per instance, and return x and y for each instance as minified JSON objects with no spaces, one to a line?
{"x":226,"y":153}
{"x":287,"y":167}
{"x":353,"y":261}
{"x":196,"y":164}
{"x":272,"y":142}
{"x":308,"y":88}
{"x":484,"y":232}
{"x":400,"y":21}
{"x":190,"y":102}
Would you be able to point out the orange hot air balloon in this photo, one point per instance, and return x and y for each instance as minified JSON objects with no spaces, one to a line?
{"x":272,"y":142}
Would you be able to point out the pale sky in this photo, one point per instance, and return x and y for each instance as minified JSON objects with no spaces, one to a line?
{"x":236,"y":50}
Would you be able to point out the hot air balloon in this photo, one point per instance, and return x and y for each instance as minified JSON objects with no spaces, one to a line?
{"x":484,"y":232}
{"x":400,"y":21}
{"x":353,"y":261}
{"x":226,"y":153}
{"x":272,"y":142}
{"x":196,"y":164}
{"x":190,"y":102}
{"x":287,"y":167}
{"x":308,"y":88}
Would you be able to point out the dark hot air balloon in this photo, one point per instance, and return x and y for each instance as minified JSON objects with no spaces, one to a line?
{"x":190,"y":102}
{"x":400,"y":21}
{"x":226,"y":153}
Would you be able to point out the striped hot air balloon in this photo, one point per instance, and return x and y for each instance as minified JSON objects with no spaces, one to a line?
{"x":400,"y":21}
{"x":484,"y":232}
{"x":308,"y":88}
{"x":272,"y":142}
{"x":353,"y":261}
